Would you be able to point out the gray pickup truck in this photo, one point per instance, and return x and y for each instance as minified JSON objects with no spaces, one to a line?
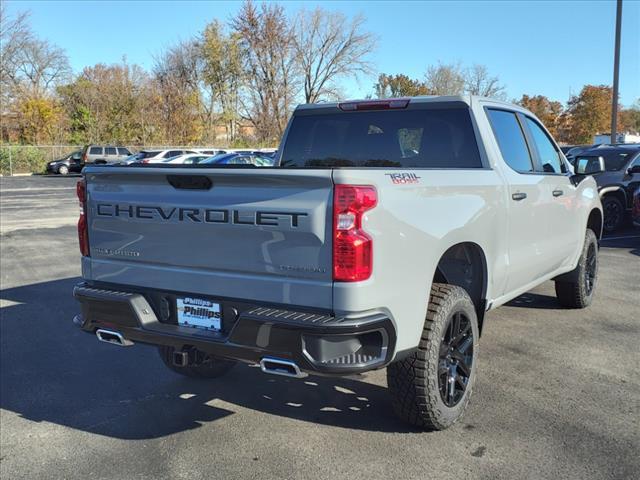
{"x":385,"y":232}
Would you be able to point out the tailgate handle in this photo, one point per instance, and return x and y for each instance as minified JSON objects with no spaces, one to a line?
{"x":189,"y":182}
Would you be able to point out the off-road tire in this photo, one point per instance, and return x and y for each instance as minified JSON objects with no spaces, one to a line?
{"x":578,"y":293}
{"x":413,"y":381}
{"x":610,"y":206}
{"x":211,"y":367}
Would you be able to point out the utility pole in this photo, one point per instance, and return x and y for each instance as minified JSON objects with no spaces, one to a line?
{"x":616,"y":74}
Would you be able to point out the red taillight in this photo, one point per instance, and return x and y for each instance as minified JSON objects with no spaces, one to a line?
{"x":352,"y":246}
{"x":386,"y":104}
{"x":83,"y":227}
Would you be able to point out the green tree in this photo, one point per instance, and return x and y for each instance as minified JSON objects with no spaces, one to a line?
{"x":223,"y":72}
{"x":399,"y":86}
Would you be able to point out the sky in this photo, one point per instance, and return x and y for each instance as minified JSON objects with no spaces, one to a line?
{"x":550,"y":48}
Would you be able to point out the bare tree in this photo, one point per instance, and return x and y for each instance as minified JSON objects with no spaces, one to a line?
{"x":41,"y":67}
{"x":14,"y":35}
{"x":271,"y":67}
{"x":445,"y":79}
{"x":330,"y":47}
{"x":479,"y":82}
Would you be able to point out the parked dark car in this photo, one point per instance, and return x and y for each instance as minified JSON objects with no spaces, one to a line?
{"x":618,"y":182}
{"x":575,"y":150}
{"x":635,"y":211}
{"x":72,"y":163}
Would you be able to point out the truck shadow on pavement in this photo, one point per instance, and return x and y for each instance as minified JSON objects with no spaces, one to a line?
{"x":53,"y":372}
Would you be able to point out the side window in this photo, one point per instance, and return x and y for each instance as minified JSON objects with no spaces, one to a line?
{"x":110,"y":150}
{"x":549,"y":156}
{"x":95,"y":151}
{"x":172,"y":153}
{"x":123,"y":151}
{"x":510,"y":137}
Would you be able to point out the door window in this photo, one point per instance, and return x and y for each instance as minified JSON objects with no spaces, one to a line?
{"x":510,"y":137}
{"x":110,"y":150}
{"x":123,"y":151}
{"x":549,"y":157}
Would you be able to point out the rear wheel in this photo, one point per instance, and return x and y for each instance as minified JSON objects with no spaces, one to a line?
{"x":204,"y":366}
{"x":613,"y":213}
{"x":579,"y":293}
{"x":432,"y":388}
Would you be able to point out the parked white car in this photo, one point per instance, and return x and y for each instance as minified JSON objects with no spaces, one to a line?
{"x":159,"y":156}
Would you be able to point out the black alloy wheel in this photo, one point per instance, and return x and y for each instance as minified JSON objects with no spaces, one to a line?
{"x":613,"y":214}
{"x":456,"y":359}
{"x":591,"y":269}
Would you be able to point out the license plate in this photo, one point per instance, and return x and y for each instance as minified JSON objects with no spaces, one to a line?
{"x":198,"y":313}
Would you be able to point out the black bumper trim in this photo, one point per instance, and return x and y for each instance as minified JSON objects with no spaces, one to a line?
{"x":257,"y":332}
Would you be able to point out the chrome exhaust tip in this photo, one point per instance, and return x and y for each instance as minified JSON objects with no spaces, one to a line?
{"x":114,"y":338}
{"x":277,"y":366}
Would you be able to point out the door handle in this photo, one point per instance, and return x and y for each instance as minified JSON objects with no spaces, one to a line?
{"x":519,"y":196}
{"x":557,"y":193}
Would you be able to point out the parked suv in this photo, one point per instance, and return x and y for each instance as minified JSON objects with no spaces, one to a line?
{"x":104,"y":154}
{"x":618,"y":182}
{"x":381,"y":237}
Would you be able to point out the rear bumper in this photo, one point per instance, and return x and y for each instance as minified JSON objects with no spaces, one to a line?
{"x":316,"y":341}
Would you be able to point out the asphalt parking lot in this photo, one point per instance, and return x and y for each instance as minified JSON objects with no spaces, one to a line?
{"x":558,"y":392}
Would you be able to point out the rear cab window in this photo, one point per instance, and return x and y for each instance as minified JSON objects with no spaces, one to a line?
{"x":414,"y":138}
{"x":511,"y":140}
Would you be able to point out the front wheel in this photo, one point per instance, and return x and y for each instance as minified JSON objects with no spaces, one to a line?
{"x":206,"y":366}
{"x":63,"y":170}
{"x":578,"y":293}
{"x":431,"y":388}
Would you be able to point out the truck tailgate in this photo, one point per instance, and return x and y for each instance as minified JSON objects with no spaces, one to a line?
{"x":262,"y":235}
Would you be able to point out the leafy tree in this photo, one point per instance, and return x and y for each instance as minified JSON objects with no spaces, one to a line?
{"x":399,"y":86}
{"x":629,"y":119}
{"x":329,"y":47}
{"x":39,"y":119}
{"x":548,"y":111}
{"x":590,"y":113}
{"x":223,"y":72}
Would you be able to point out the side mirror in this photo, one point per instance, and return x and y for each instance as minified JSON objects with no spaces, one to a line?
{"x":633,"y":170}
{"x":589,"y":165}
